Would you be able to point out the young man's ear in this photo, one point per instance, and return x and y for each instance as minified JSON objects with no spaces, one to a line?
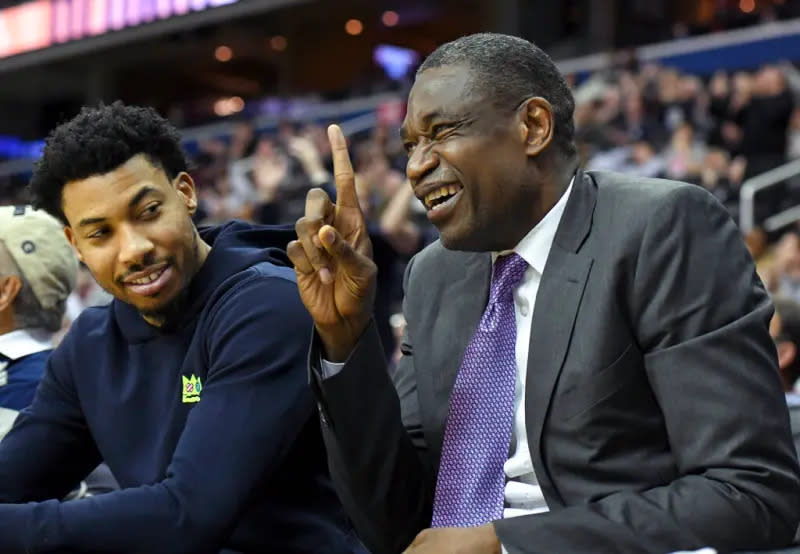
{"x":184,"y":185}
{"x":10,"y":285}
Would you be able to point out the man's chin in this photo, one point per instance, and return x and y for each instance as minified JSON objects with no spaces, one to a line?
{"x":163,"y":314}
{"x":461,"y":242}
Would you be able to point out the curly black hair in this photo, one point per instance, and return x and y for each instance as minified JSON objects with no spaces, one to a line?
{"x":99,"y":140}
{"x":509,"y":69}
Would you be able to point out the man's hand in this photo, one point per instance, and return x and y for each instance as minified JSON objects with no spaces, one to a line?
{"x":332,"y":259}
{"x":456,"y":540}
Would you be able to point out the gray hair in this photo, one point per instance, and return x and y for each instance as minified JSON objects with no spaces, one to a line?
{"x":28,"y":312}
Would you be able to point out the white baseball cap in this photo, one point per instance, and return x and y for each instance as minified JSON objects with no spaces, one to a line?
{"x":36,"y":242}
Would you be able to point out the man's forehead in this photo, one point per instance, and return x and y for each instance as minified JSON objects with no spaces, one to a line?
{"x":442,"y":92}
{"x":137,"y":170}
{"x":441,"y":85}
{"x":98,"y":196}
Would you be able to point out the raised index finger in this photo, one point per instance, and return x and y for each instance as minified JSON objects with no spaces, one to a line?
{"x":342,"y":169}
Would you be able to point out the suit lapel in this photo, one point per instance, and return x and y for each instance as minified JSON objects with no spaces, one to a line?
{"x":448,"y":337}
{"x":557,"y":302}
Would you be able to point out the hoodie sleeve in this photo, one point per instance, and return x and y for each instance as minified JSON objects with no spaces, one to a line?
{"x":255,"y":402}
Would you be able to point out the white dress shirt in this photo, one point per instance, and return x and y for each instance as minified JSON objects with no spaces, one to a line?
{"x":523,"y":495}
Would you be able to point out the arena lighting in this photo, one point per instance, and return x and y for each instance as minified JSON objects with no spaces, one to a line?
{"x":38,"y":24}
{"x":228,"y":106}
{"x":395,"y":60}
{"x":223,"y":53}
{"x":353,"y":27}
{"x":237,"y":103}
{"x":278,"y":43}
{"x":390,"y":18}
{"x":747,"y":6}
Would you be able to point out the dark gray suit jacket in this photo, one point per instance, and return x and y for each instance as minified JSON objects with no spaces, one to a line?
{"x":654,"y":410}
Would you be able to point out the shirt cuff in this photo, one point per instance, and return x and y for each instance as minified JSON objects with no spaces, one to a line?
{"x":330,"y":369}
{"x":503,"y":548}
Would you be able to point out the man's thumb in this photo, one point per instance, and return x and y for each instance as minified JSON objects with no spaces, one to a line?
{"x":338,"y":248}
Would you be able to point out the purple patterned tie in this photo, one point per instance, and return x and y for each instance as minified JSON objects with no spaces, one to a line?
{"x":470,"y":485}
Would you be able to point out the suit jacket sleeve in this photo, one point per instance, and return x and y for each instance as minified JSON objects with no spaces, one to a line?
{"x":701,"y":317}
{"x":376,"y":449}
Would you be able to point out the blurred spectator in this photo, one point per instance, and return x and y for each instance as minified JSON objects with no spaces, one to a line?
{"x":756,"y":241}
{"x":87,"y":293}
{"x":763,"y":133}
{"x":720,"y":177}
{"x":638,"y":159}
{"x":254,"y":181}
{"x":785,"y":331}
{"x":793,"y":149}
{"x":38,"y":271}
{"x":684,"y":155}
{"x":782,"y":277}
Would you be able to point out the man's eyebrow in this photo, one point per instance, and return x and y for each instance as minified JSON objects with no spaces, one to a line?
{"x":426,"y":120}
{"x":141,"y":195}
{"x":138,"y":197}
{"x":91,"y":221}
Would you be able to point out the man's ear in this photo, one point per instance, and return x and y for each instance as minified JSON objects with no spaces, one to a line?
{"x":70,"y":234}
{"x":537,"y":125}
{"x":184,"y":186}
{"x":10,"y":285}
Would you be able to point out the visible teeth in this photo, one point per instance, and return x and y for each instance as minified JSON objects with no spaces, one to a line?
{"x":447,"y":190}
{"x":148,"y":279}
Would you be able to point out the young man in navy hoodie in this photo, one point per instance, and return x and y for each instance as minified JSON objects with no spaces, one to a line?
{"x":191,"y":385}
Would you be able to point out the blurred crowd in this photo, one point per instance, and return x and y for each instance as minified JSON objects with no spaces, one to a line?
{"x":656,"y":122}
{"x":643,"y":120}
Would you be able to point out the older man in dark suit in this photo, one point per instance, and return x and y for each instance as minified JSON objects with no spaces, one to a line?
{"x":584,"y":353}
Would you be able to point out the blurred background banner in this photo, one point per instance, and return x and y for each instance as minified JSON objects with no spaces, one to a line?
{"x":39,"y":24}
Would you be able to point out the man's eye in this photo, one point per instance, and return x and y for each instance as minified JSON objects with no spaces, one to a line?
{"x":98,"y":234}
{"x":150,"y":210}
{"x":440,"y":131}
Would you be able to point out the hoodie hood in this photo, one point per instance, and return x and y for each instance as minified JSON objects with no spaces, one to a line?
{"x":235,"y":246}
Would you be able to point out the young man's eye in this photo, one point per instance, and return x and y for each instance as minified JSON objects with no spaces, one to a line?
{"x":99,"y":233}
{"x":150,"y":210}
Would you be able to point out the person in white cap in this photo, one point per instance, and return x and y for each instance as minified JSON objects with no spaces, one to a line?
{"x":38,"y":270}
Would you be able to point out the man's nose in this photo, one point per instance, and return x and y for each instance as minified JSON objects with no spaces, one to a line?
{"x":421,"y":162}
{"x":134,"y":246}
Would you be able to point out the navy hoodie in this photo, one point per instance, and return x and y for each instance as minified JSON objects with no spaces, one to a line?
{"x":210,"y":428}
